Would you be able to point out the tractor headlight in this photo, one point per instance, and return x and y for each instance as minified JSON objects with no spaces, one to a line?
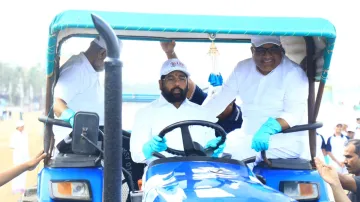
{"x":301,"y":191}
{"x":72,"y":190}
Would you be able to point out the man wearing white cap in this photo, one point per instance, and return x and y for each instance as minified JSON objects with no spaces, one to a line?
{"x":79,"y":88}
{"x":20,"y":145}
{"x":171,"y":107}
{"x":274,"y":92}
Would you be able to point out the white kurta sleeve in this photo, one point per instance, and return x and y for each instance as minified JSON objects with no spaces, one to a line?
{"x":69,"y":84}
{"x":140,"y":134}
{"x":220,"y":100}
{"x":296,"y":96}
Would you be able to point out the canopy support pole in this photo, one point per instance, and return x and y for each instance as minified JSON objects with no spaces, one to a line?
{"x":311,"y":72}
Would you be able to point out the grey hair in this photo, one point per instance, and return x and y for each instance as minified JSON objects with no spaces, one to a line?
{"x":356,"y":143}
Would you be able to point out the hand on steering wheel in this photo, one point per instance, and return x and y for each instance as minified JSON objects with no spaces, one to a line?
{"x":193,"y":148}
{"x":213,"y":143}
{"x":156,"y":144}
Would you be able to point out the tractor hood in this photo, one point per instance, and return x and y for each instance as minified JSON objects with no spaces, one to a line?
{"x":209,"y":180}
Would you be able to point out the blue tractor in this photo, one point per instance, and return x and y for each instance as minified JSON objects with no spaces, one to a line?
{"x":100,"y":167}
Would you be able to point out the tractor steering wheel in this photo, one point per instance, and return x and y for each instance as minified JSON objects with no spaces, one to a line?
{"x":193,"y":148}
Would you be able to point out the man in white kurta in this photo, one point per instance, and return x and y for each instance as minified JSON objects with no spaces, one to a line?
{"x":274,"y":91}
{"x":171,"y":107}
{"x":80,"y":87}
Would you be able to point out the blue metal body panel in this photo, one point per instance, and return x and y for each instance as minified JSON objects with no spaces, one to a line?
{"x":206,"y":181}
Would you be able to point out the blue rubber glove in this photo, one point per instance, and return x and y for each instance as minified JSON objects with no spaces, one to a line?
{"x":213,"y":143}
{"x":260,"y":141}
{"x":68,"y":116}
{"x":156,"y":144}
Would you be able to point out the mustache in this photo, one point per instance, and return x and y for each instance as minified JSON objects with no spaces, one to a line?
{"x":176,"y":88}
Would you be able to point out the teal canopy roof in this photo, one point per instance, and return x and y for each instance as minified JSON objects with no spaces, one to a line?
{"x":285,"y":26}
{"x":148,"y":26}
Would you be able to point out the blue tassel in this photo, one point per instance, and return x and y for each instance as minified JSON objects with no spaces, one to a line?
{"x":215,"y":79}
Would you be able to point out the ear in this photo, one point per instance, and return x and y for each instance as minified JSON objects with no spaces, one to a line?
{"x":252,"y":49}
{"x":102,"y":54}
{"x":160,"y":84}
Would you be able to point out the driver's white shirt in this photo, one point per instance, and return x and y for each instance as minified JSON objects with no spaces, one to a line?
{"x":152,"y":119}
{"x":282,"y":94}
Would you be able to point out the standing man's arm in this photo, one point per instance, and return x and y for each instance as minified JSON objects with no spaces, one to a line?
{"x":67,"y":87}
{"x":59,"y":106}
{"x":228,"y":92}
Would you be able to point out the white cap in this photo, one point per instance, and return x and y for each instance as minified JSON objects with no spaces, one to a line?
{"x":351,"y":128}
{"x":101,"y":42}
{"x":261,"y":40}
{"x":173,"y":65}
{"x":20,"y":123}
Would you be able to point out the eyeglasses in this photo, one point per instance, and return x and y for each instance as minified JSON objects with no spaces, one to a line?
{"x":271,"y":50}
{"x":172,"y":80}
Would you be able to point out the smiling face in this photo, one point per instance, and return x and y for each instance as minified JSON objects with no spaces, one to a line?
{"x":267,"y":57}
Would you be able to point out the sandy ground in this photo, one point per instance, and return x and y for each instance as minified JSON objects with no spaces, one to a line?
{"x":34,"y":129}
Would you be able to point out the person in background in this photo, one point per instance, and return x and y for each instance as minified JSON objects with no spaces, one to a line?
{"x":320,"y":147}
{"x":329,"y":174}
{"x":335,"y":147}
{"x":19,"y":144}
{"x":340,"y":182}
